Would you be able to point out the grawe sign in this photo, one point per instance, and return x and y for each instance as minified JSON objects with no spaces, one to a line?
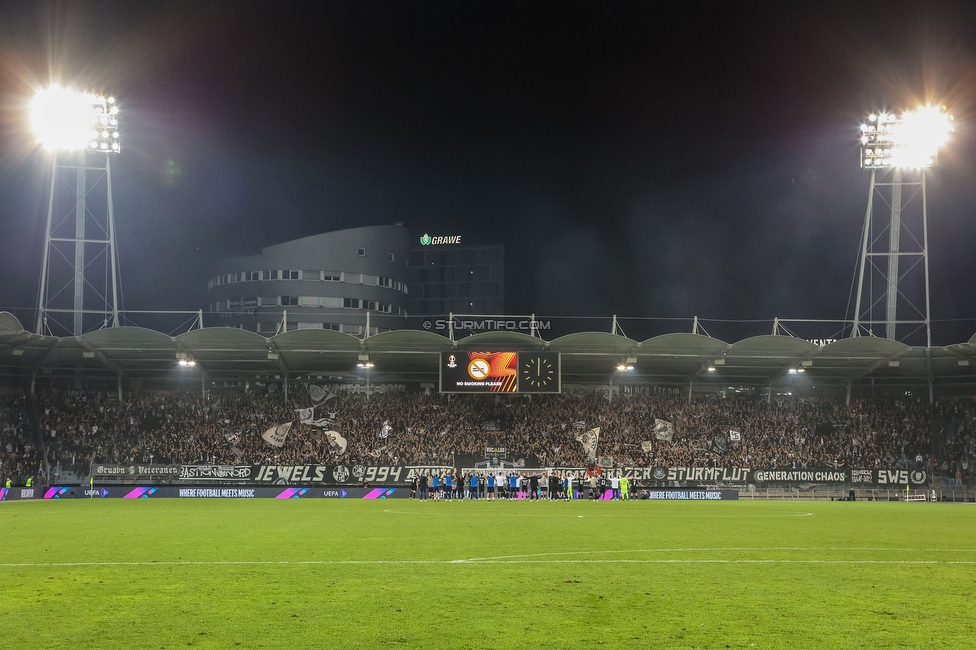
{"x":437,"y":240}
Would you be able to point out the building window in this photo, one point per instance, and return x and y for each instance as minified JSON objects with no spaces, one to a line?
{"x":392,"y":257}
{"x":291,"y":275}
{"x":351,"y":303}
{"x":332,"y":277}
{"x":271,"y":275}
{"x":254,"y":276}
{"x":289,"y":300}
{"x":362,"y":252}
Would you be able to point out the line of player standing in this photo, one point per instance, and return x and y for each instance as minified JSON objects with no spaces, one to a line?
{"x":515,"y":486}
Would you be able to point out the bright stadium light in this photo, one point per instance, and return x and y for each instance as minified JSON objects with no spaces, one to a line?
{"x":897,"y":150}
{"x":66,"y":120}
{"x":909,"y":141}
{"x":77,"y":128}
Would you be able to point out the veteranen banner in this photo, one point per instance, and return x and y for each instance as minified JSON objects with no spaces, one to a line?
{"x":135,"y":471}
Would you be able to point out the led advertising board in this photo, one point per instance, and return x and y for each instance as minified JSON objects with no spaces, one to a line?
{"x":500,"y":372}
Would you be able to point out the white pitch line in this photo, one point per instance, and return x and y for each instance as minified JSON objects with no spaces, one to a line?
{"x":554,"y":558}
{"x":713,"y":549}
{"x":477,"y":562}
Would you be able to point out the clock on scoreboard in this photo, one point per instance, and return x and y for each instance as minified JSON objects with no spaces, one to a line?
{"x":500,"y":372}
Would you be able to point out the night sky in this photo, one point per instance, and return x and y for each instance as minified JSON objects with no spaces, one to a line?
{"x":695,"y":160}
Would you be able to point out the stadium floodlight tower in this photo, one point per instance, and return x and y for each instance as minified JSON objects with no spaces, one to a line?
{"x":81,"y":130}
{"x":897,"y":149}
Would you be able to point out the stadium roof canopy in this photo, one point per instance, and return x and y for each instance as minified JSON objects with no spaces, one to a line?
{"x":588,"y":358}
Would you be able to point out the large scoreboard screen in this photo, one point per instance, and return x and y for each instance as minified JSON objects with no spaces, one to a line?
{"x":500,"y":372}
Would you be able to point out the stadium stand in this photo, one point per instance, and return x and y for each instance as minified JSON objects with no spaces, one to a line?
{"x":80,"y":428}
{"x":20,"y":457}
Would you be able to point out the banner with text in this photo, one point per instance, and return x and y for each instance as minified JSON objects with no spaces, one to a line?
{"x":330,"y":474}
{"x":136,"y":471}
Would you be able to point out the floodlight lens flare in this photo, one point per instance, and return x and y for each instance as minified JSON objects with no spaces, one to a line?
{"x":64,"y":119}
{"x":912,"y":140}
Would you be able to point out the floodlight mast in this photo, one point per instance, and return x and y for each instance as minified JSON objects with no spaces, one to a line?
{"x":81,"y":130}
{"x":897,"y":146}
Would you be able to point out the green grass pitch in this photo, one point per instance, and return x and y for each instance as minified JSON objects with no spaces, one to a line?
{"x":298,"y":573}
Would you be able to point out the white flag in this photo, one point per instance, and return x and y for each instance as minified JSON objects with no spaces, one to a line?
{"x":319,"y":394}
{"x":305,"y":415}
{"x":589,"y":439}
{"x":663,"y":430}
{"x":735,"y":435}
{"x":385,"y":429}
{"x":276,"y":435}
{"x":336,"y":441}
{"x":647,"y":445}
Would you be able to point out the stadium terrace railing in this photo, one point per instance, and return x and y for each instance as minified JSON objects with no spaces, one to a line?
{"x":844,"y":493}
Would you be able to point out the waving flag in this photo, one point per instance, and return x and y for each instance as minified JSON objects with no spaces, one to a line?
{"x":663,"y":430}
{"x":589,"y":439}
{"x":276,"y":435}
{"x":336,"y":441}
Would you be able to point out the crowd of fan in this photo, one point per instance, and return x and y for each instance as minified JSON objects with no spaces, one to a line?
{"x":19,"y":454}
{"x":81,"y":428}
